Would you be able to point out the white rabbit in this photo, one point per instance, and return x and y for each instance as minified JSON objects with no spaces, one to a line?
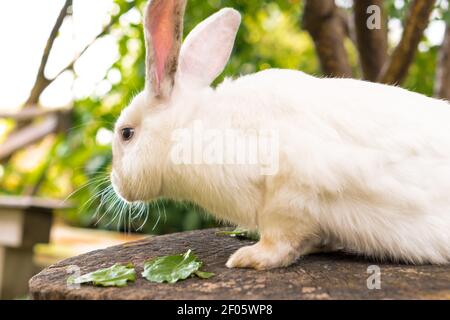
{"x":362,"y":165}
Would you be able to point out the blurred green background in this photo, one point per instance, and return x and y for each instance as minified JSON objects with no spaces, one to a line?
{"x":270,"y":36}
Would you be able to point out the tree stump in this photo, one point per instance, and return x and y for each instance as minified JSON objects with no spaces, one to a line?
{"x":318,"y":276}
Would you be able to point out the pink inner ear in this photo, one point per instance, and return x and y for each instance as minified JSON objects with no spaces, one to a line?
{"x":161,"y":27}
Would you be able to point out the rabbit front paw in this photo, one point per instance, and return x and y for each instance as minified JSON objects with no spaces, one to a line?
{"x":262,"y":256}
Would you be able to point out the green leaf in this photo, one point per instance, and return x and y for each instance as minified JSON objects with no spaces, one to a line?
{"x":204,"y":274}
{"x":171,"y":268}
{"x":240,"y":233}
{"x":115,"y":276}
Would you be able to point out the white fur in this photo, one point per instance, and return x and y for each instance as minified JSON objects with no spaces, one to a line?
{"x":202,"y":61}
{"x":362,"y":165}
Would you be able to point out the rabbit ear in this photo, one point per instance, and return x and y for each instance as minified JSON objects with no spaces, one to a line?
{"x":163,"y":28}
{"x":207,"y":48}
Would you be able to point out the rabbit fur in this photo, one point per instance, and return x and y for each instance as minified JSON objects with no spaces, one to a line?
{"x":360,"y":166}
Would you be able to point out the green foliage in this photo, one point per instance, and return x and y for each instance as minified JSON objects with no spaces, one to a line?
{"x":422,"y":72}
{"x":203,"y":274}
{"x":174,"y":268}
{"x":114,"y":276}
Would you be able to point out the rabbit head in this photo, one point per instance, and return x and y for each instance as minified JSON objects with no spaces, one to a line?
{"x":176,"y":76}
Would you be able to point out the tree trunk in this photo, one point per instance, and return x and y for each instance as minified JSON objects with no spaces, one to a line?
{"x":442,"y":87}
{"x":396,"y":69}
{"x":327,"y":28}
{"x":371,"y":42}
{"x":318,"y":276}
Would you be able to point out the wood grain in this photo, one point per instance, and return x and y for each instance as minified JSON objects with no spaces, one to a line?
{"x":320,"y":276}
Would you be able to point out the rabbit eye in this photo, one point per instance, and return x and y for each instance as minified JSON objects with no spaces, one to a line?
{"x":127,"y":133}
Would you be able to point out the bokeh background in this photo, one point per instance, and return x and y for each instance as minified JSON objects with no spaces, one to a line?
{"x":95,"y":65}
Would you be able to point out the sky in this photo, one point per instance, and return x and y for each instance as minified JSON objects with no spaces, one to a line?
{"x":24,"y":28}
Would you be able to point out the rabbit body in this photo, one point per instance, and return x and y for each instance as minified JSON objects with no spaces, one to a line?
{"x":360,"y":166}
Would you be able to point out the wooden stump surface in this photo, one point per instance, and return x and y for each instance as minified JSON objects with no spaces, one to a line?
{"x":319,"y":276}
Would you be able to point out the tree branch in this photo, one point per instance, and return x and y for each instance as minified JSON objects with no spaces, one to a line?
{"x":104,"y":31}
{"x":371,"y":40}
{"x":41,"y":81}
{"x":27,"y":136}
{"x":29,"y":113}
{"x":327,"y":28}
{"x":396,"y":68}
{"x":23,"y":116}
{"x":54,"y":121}
{"x":442,"y":83}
